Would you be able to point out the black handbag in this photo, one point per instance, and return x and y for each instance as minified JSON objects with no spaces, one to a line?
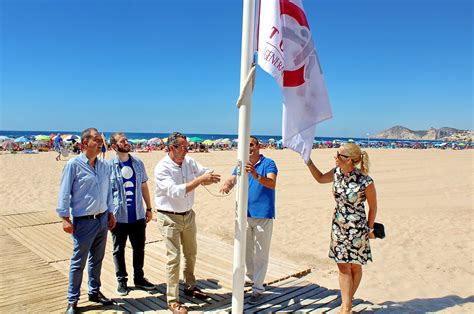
{"x":379,"y":230}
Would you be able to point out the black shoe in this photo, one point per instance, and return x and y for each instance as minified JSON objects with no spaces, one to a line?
{"x":255,"y":298}
{"x":72,"y":308}
{"x":122,"y":288}
{"x":144,"y":284}
{"x":100,"y":298}
{"x":196,"y":293}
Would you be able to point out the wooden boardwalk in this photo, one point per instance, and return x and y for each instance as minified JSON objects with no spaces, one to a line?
{"x":34,"y":266}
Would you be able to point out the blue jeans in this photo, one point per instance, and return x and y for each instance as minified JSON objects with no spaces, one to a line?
{"x":89,"y":240}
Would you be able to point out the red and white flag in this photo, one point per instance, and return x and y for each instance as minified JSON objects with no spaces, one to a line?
{"x":286,"y":51}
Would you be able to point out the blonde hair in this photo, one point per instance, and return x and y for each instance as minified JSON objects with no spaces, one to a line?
{"x":357,"y":156}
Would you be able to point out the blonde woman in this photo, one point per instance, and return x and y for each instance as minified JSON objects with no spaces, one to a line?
{"x":351,"y":228}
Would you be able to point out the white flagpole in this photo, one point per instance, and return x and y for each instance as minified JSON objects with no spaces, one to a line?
{"x":246,"y":61}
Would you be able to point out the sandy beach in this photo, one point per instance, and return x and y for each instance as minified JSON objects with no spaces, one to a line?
{"x":425,"y":200}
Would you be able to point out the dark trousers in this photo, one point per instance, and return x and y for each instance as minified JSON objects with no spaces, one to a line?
{"x":136,"y":233}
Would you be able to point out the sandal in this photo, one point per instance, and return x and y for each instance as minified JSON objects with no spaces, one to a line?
{"x":177,"y":307}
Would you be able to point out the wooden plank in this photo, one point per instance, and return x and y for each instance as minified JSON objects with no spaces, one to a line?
{"x":333,"y":305}
{"x":287,"y":299}
{"x":33,"y":286}
{"x":28,"y":219}
{"x":335,"y":308}
{"x":363,"y":306}
{"x":315,"y":297}
{"x":226,"y":304}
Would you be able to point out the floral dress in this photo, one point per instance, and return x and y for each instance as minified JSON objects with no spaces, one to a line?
{"x":350,"y":233}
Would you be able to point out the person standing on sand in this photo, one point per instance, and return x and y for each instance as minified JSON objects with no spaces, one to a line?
{"x":351,"y":230}
{"x":58,"y":145}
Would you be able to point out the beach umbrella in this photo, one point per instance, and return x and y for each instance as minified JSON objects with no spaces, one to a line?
{"x":223,"y":141}
{"x":5,"y":138}
{"x":71,"y":138}
{"x":64,"y":136}
{"x":196,"y":139}
{"x":154,"y":140}
{"x":271,"y":140}
{"x":21,"y":139}
{"x":207,"y":142}
{"x":165,"y":140}
{"x":42,"y":138}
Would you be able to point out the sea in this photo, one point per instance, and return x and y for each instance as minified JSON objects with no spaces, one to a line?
{"x":263,"y":138}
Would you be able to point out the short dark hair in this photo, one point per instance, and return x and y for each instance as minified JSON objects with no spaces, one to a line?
{"x":174,"y":137}
{"x":114,"y":137}
{"x":255,"y":138}
{"x":87,"y":133}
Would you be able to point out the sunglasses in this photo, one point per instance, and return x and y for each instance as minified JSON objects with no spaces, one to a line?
{"x":341,"y":155}
{"x":183,"y":147}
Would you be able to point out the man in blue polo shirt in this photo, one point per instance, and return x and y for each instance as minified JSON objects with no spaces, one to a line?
{"x":260,"y":214}
{"x":129,"y":189}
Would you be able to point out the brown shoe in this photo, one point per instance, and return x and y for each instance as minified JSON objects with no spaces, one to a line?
{"x":177,"y":307}
{"x":196,"y":293}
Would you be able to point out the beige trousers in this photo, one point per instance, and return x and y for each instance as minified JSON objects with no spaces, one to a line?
{"x":259,"y":237}
{"x":177,"y":231}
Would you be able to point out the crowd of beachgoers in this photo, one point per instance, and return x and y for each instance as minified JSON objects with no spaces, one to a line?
{"x":71,"y":142}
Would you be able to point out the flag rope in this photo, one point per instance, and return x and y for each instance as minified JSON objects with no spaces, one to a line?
{"x":217,"y":195}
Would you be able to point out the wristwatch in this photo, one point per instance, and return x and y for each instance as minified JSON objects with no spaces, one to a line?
{"x":149,"y":209}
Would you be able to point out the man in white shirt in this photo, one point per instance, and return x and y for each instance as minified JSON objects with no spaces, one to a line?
{"x":176,"y":177}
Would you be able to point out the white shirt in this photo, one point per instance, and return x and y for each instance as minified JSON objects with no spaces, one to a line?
{"x":171,"y":179}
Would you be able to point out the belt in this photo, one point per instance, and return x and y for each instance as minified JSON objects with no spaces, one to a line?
{"x":96,"y":216}
{"x":174,"y":213}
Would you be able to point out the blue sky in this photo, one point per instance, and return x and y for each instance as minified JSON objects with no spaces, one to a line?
{"x":159,"y":66}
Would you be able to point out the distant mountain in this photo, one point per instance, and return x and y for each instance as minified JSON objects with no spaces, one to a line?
{"x":442,"y":134}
